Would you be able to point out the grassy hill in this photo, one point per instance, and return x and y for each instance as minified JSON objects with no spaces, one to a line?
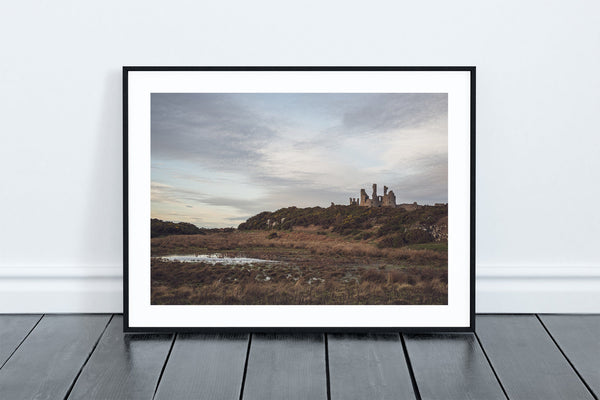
{"x":392,"y":227}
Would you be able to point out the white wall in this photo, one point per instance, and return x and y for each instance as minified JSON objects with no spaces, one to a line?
{"x":538,"y":127}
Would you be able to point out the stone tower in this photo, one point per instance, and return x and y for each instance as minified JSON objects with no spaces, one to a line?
{"x":363,"y":198}
{"x":375,"y":200}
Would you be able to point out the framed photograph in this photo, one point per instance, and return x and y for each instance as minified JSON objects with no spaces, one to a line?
{"x":299,"y":198}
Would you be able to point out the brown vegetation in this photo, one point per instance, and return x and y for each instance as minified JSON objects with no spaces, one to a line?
{"x":315,"y":266}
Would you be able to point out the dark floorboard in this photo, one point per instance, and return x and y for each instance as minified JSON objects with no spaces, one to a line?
{"x":205,"y":366}
{"x":526,"y":360}
{"x":286,"y":366}
{"x":48,"y":361}
{"x":13,"y":329}
{"x":368,"y":366}
{"x":451,"y":367}
{"x":86,"y":357}
{"x":578,"y":336}
{"x":123,"y":366}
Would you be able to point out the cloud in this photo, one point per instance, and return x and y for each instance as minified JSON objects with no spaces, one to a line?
{"x":387,"y":113}
{"x":210,"y":129}
{"x":218,"y":158}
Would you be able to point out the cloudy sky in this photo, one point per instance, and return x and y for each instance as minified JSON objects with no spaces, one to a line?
{"x":218,"y":159}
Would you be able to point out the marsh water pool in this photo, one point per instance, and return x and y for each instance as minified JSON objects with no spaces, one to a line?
{"x":215,"y":258}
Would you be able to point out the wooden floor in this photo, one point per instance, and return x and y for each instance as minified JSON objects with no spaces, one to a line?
{"x":510,"y":356}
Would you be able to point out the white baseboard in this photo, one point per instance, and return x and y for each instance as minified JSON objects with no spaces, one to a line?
{"x":499,"y":289}
{"x":503,"y":289}
{"x":61,"y":290}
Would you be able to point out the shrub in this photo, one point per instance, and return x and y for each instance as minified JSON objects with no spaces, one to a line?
{"x":412,"y":236}
{"x":375,"y":276}
{"x":160,"y":228}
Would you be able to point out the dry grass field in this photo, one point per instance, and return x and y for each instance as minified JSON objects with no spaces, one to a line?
{"x":312,"y":266}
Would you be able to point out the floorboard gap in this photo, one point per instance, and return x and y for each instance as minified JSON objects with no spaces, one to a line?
{"x":246,"y":366}
{"x":21,"y":342}
{"x":410,"y":368}
{"x":87,"y":358}
{"x":162,"y":371}
{"x":327,"y":375}
{"x":566,"y":358}
{"x":490,"y":364}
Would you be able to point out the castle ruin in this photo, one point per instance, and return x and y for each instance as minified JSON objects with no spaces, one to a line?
{"x":387,"y":200}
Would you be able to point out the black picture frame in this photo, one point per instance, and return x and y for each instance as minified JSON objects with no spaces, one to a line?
{"x":128,"y":327}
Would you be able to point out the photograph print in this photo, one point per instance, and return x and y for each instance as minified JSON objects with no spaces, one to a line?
{"x":331,"y":197}
{"x":299,"y":198}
